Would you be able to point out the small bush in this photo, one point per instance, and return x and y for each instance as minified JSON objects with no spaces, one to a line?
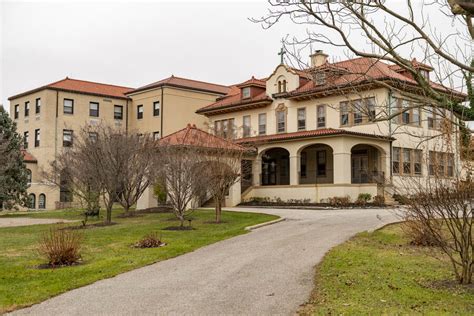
{"x":379,"y":200}
{"x":152,"y":240}
{"x":340,"y":201}
{"x":364,"y":197}
{"x":61,"y":247}
{"x":402,"y":199}
{"x":160,"y":192}
{"x":419,"y":234}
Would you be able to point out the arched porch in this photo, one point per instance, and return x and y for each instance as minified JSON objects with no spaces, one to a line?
{"x":366,"y":164}
{"x":316,"y":164}
{"x":275,"y":167}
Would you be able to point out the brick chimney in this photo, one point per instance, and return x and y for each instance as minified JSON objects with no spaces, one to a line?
{"x":318,"y":58}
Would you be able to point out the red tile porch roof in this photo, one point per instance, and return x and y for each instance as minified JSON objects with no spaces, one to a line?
{"x":27,"y":157}
{"x":195,"y":137}
{"x":82,"y":86}
{"x":178,"y":82}
{"x":308,"y":134}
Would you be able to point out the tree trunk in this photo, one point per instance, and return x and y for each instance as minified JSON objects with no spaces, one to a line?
{"x":218,"y":210}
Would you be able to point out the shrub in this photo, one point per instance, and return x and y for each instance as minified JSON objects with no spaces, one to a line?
{"x":340,"y":201}
{"x":402,"y":199}
{"x":152,"y":240}
{"x":379,"y":200}
{"x":363,"y":198}
{"x":160,"y":192}
{"x":61,"y":247}
{"x":419,"y":234}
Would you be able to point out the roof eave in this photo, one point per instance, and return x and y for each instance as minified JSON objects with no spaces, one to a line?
{"x":164,"y":84}
{"x":235,"y":107}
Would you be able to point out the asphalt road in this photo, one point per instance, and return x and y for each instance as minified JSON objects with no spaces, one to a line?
{"x":268,"y":271}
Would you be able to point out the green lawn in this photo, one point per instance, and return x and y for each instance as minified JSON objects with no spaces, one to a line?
{"x":380,"y":273}
{"x":107,"y":251}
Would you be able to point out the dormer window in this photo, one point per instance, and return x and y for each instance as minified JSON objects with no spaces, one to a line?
{"x":281,"y":86}
{"x":245,"y":92}
{"x":320,"y":78}
{"x":425,"y":74}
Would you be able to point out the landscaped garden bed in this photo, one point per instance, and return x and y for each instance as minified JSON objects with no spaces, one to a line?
{"x":380,"y":273}
{"x":106,"y":251}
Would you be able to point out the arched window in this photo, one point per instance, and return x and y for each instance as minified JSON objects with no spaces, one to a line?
{"x":42,"y":201}
{"x":32,"y":201}
{"x":279,"y":86}
{"x":29,"y":175}
{"x":284,"y":86}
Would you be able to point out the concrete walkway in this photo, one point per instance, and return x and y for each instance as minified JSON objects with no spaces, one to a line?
{"x":26,"y":221}
{"x":265,"y":272}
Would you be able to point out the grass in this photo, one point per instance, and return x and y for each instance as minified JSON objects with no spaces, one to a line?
{"x":107,"y":250}
{"x":380,"y":273}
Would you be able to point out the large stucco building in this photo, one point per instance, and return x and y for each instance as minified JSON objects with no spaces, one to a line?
{"x":317,"y":133}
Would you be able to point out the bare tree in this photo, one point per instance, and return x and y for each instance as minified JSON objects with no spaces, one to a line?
{"x":391,"y":32}
{"x":181,"y":173}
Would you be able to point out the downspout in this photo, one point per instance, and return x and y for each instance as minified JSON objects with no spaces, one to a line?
{"x":126,"y":117}
{"x":390,"y":132}
{"x":56,"y":126}
{"x":162,"y":112}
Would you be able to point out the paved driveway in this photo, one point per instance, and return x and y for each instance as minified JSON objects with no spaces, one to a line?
{"x":266,"y":272}
{"x":26,"y":221}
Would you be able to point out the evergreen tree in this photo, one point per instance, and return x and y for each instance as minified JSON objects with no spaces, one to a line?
{"x":13,"y":172}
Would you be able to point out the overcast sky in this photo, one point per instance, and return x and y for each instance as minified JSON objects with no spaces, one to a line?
{"x":133,"y":43}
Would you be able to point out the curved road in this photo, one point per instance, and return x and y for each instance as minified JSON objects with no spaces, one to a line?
{"x":266,"y":272}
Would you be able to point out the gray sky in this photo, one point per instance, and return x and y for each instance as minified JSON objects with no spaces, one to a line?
{"x":133,"y":43}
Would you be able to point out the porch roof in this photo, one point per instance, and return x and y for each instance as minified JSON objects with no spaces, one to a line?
{"x":308,"y":134}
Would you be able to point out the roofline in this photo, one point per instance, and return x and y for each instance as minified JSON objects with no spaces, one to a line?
{"x":337,"y":132}
{"x":48,"y":86}
{"x":234,"y":107}
{"x":164,"y":84}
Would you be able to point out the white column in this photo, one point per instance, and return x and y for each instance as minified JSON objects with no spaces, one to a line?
{"x":235,"y":195}
{"x":294,"y":169}
{"x":147,"y":199}
{"x":342,"y":167}
{"x":256,"y":171}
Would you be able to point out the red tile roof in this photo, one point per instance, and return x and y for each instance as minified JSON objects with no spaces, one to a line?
{"x":307,"y":134}
{"x":362,"y":70}
{"x":187,"y":84}
{"x":27,"y":157}
{"x":195,"y":137}
{"x":253,"y":82}
{"x":82,"y":86}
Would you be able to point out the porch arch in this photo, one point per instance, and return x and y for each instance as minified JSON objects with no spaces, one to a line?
{"x":367,"y":165}
{"x":316,"y":164}
{"x":275,"y":164}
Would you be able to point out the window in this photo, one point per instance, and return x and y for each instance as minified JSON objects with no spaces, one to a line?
{"x":279,"y":87}
{"x":37,"y":137}
{"x":321,"y":163}
{"x":344,"y":108}
{"x":225,"y":128}
{"x":118,"y":112}
{"x":42,"y":201}
{"x":432,"y":162}
{"x":425,"y":74}
{"x":38,"y":106}
{"x":65,"y":195}
{"x":396,"y":160}
{"x":262,"y":124}
{"x":17,"y":111}
{"x":406,"y":161}
{"x":418,"y":158}
{"x":321,"y":116}
{"x":140,"y":112}
{"x":320,"y":78}
{"x":370,"y":104}
{"x":156,"y":108}
{"x":67,"y":137}
{"x":405,"y":112}
{"x":27,"y":108}
{"x":357,"y":112}
{"x":29,"y":175}
{"x":68,"y":106}
{"x":281,"y":118}
{"x":441,"y":163}
{"x":94,"y":109}
{"x":246,"y":125}
{"x":156,"y":135}
{"x":430,"y":117}
{"x":246,"y":92}
{"x":25,"y":139}
{"x":93,"y":136}
{"x":301,"y":119}
{"x":304,"y":159}
{"x":450,"y":171}
{"x":32,"y":201}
